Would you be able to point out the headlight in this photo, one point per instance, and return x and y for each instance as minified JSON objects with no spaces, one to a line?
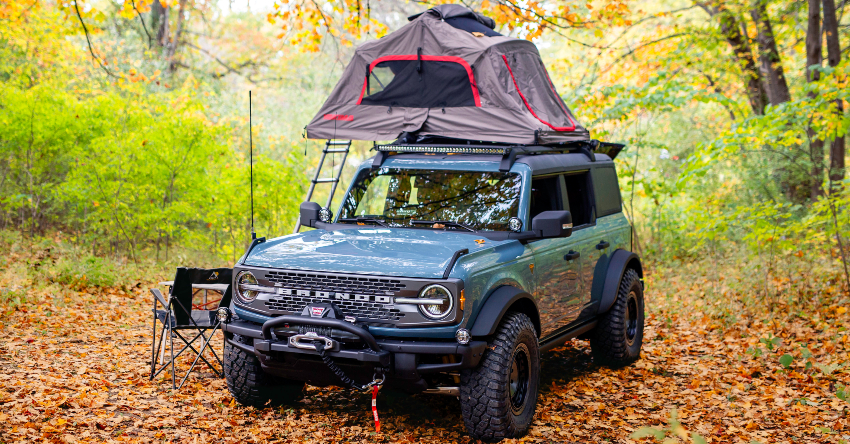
{"x":437,"y":293}
{"x":245,"y":279}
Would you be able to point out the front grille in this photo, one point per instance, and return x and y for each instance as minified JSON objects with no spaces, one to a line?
{"x":359,"y":309}
{"x":343,"y":284}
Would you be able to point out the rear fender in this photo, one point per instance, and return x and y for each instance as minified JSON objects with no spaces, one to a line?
{"x":621,"y":261}
{"x":501,"y":301}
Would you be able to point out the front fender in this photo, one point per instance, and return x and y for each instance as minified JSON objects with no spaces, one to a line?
{"x":500,"y":302}
{"x":620,"y":261}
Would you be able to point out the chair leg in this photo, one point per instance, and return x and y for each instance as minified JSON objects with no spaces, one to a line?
{"x":160,"y":351}
{"x":189,"y":345}
{"x":153,"y":341}
{"x":173,"y":368}
{"x":200,"y":356}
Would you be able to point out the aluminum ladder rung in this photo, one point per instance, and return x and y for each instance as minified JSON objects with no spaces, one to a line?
{"x":336,"y":150}
{"x":326,"y":180}
{"x":338,"y":143}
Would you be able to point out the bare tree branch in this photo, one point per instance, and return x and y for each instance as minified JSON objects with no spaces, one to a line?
{"x":88,"y":40}
{"x":150,"y":39}
{"x":230,"y":69}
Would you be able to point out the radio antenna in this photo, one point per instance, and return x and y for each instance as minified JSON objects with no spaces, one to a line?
{"x":251,"y":162}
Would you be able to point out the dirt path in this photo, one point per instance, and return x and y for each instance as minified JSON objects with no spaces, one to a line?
{"x":74,"y":369}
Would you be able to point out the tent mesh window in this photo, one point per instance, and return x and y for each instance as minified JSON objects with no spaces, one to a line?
{"x":419,"y":83}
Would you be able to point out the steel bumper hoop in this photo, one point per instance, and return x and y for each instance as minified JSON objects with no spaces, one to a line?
{"x":339,"y":324}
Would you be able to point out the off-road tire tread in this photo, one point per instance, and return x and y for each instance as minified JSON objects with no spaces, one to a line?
{"x":486,"y":411}
{"x":250,"y":386}
{"x":607,"y":341}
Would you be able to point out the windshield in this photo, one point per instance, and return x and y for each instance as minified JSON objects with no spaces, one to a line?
{"x":395,"y":196}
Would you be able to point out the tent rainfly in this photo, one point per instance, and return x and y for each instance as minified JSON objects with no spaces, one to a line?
{"x":447,"y":73}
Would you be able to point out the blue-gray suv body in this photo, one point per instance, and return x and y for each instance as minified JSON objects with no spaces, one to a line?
{"x":443,"y":273}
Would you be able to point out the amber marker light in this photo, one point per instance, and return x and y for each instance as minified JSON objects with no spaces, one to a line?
{"x":462,"y":300}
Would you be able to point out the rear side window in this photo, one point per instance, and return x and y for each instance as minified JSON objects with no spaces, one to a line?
{"x":578,"y":198}
{"x":420,"y":82}
{"x":607,"y":191}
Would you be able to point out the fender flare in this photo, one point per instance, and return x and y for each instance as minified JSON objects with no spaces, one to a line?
{"x":497,"y":304}
{"x":621,"y":260}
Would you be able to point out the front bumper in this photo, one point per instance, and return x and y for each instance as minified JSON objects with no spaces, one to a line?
{"x":406,"y":361}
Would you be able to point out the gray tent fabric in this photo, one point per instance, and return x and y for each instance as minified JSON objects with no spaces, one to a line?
{"x":452,"y":83}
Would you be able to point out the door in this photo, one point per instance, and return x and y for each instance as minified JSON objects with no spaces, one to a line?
{"x":586,"y":236}
{"x":557,"y":271}
{"x":611,"y":232}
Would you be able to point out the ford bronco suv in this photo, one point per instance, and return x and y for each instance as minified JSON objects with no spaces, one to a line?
{"x":447,"y":269}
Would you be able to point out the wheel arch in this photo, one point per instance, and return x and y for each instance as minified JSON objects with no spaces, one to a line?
{"x":502,"y":300}
{"x":621,"y":261}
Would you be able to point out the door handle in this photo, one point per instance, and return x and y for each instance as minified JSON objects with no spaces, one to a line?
{"x":602,"y":245}
{"x":571,"y":255}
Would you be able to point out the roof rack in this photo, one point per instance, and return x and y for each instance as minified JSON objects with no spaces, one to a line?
{"x":509,"y":153}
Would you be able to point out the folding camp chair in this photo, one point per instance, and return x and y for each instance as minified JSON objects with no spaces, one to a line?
{"x":177,"y":316}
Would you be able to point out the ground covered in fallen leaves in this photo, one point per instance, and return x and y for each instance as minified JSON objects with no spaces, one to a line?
{"x":74,"y":368}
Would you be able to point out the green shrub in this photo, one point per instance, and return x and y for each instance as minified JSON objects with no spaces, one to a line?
{"x":85,"y":271}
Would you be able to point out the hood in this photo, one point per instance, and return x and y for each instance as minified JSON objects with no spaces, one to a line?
{"x":403,"y":252}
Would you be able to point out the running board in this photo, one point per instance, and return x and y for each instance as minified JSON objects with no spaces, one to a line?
{"x":562,"y":339}
{"x":450,"y":391}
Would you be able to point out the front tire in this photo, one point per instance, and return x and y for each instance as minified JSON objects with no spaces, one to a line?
{"x":498,"y":398}
{"x":618,"y":337}
{"x":250,"y":386}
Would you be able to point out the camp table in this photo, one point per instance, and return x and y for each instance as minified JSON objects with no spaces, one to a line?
{"x":220,"y":288}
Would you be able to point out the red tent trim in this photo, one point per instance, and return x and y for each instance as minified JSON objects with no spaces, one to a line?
{"x":454,"y":59}
{"x":527,"y":105}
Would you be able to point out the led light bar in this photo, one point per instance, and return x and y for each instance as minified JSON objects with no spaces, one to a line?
{"x":443,"y":149}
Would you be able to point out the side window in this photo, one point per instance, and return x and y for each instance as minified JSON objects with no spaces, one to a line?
{"x":578,"y":198}
{"x":546,"y":195}
{"x":607,"y":191}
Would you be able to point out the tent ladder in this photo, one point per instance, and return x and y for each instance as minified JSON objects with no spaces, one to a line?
{"x":331,"y":147}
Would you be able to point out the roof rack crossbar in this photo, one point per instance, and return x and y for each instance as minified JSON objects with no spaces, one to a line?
{"x":509,"y":158}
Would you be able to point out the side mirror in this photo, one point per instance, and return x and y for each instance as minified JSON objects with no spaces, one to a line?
{"x":550,"y":224}
{"x":310,"y":214}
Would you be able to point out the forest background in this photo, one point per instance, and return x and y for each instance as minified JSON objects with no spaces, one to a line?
{"x":124,"y":153}
{"x":125,"y":126}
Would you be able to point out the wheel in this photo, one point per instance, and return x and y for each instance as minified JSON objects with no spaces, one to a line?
{"x":618,"y":336}
{"x":498,"y":398}
{"x":250,"y":386}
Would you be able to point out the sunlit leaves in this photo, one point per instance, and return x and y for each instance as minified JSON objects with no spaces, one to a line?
{"x":306,"y":24}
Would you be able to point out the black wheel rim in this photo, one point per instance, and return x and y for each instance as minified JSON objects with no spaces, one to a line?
{"x":631,"y":318}
{"x":519,"y":377}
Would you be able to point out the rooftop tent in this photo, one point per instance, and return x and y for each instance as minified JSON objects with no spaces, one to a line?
{"x":447,"y":73}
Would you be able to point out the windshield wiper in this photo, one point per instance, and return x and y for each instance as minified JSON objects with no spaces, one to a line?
{"x":367,"y":220}
{"x":443,"y":222}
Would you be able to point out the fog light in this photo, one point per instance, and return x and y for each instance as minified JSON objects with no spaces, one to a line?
{"x":325,"y":215}
{"x":223,"y":314}
{"x":463,"y":336}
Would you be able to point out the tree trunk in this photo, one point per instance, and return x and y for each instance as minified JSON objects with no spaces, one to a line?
{"x":732,"y":32}
{"x":833,"y":56}
{"x":771,"y":63}
{"x":159,"y":23}
{"x":814,"y":56}
{"x":178,"y":35}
